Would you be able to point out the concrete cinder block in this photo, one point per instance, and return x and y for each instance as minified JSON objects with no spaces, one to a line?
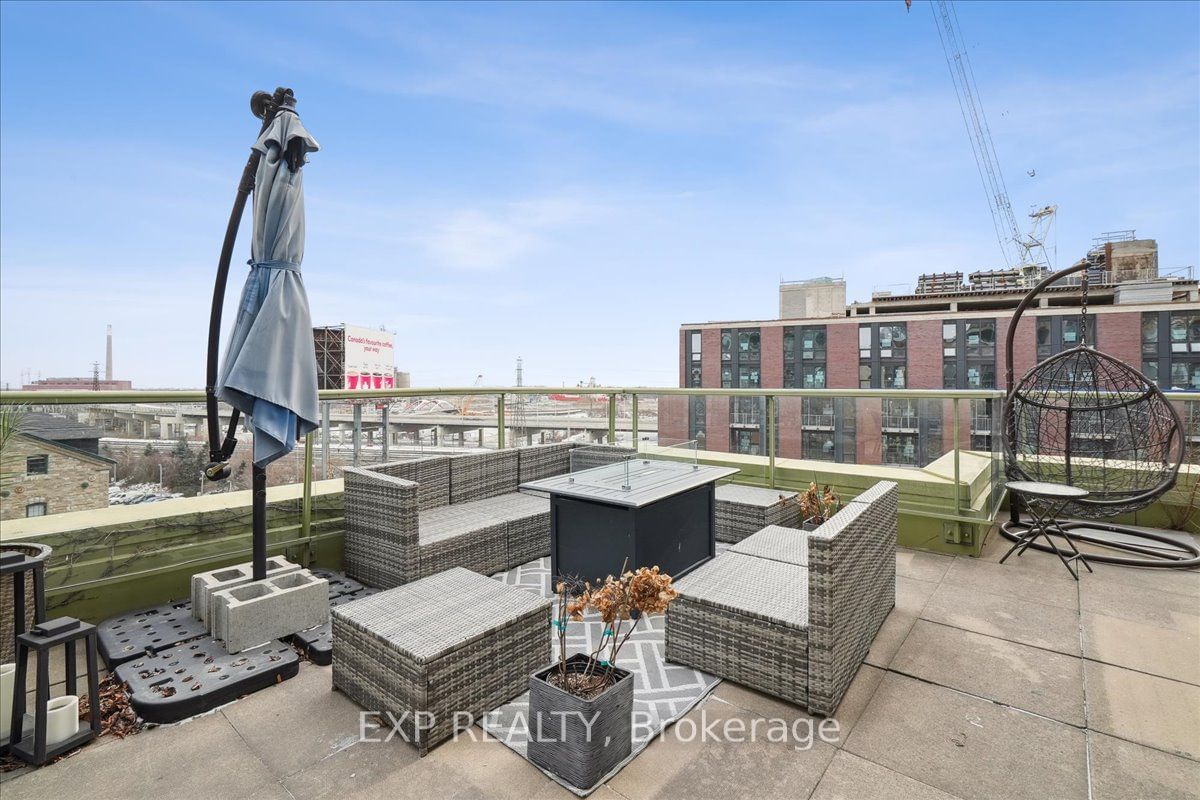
{"x":250,"y":614}
{"x":205,"y":583}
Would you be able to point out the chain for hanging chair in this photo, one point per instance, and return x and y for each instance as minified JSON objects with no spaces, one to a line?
{"x":1083,"y":317}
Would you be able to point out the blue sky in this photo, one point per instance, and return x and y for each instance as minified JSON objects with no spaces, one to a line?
{"x":566,"y":183}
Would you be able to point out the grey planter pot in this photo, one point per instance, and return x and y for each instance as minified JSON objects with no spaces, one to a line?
{"x":559,"y":739}
{"x":809,"y":525}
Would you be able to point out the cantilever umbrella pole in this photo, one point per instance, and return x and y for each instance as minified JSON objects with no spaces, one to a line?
{"x":219,"y":451}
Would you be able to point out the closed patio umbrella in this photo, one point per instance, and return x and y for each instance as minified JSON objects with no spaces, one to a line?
{"x":270,"y":368}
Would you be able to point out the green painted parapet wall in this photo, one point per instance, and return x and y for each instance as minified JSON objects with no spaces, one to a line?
{"x":110,"y":560}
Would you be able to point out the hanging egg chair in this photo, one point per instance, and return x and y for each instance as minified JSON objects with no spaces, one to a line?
{"x":1085,"y":419}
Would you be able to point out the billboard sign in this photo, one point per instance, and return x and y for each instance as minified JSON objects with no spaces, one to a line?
{"x":370,"y":358}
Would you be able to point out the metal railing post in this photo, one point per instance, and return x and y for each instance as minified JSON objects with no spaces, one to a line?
{"x":771,"y":431}
{"x":325,"y":414}
{"x":357,"y":431}
{"x":386,"y":432}
{"x":957,"y":488}
{"x":306,"y":503}
{"x":612,"y":418}
{"x":634,"y":423}
{"x":500,"y":422}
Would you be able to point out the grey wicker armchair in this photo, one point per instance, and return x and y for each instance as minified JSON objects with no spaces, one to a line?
{"x":793,"y":613}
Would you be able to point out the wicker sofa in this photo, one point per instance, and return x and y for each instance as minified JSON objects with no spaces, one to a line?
{"x":793,"y":613}
{"x":412,"y":518}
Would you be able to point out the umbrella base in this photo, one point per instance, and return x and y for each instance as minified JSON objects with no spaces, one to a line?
{"x":161,"y":692}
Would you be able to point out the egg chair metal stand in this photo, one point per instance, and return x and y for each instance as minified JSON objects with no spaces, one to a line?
{"x":1083,"y":418}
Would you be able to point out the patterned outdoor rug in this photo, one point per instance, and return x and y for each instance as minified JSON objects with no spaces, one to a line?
{"x":662,"y":693}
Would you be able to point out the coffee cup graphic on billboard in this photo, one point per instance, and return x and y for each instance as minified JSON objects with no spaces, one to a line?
{"x":370,"y":359}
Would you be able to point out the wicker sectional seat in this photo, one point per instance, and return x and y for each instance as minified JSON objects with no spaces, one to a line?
{"x":793,"y":613}
{"x":742,"y":510}
{"x":413,"y":518}
{"x":439,"y":651}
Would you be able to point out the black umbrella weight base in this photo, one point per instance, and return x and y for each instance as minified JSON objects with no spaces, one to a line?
{"x":137,"y":633}
{"x":1124,"y":545}
{"x":180,"y":682}
{"x":175,"y":670}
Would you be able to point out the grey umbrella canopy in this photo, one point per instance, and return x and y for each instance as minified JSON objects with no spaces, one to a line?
{"x":270,"y":367}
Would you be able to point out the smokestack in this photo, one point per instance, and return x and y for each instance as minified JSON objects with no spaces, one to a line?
{"x":108,"y":356}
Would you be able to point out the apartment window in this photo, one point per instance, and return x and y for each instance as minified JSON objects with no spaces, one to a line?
{"x":969,"y":354}
{"x":804,"y":357}
{"x":1185,"y":332}
{"x":812,"y":343}
{"x":1062,"y":332}
{"x":912,"y":431}
{"x":697,"y":417}
{"x":1171,"y":349}
{"x":749,"y":343}
{"x":882,"y":355}
{"x":982,"y":424}
{"x":745,"y":441}
{"x":827,"y":429}
{"x":693,"y":340}
{"x":812,"y":376}
{"x":35,"y":510}
{"x":37,"y":465}
{"x":741,"y":359}
{"x":1191,"y":431}
{"x":892,"y":376}
{"x":1185,"y":376}
{"x":789,"y":357}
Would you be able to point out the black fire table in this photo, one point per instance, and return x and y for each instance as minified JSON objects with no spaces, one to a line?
{"x":636,"y":513}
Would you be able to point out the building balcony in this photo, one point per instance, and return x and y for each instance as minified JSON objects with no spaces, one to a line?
{"x":817,"y":422}
{"x":746,"y":419}
{"x":959,"y":615}
{"x":901,"y":423}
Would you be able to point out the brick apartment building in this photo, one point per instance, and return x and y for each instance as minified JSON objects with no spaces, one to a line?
{"x":948,"y":334}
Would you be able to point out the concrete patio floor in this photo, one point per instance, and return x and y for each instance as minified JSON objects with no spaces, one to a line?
{"x":987,"y":681}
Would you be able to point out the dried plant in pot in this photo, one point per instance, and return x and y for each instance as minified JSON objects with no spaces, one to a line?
{"x":581,"y":707}
{"x":817,"y":506}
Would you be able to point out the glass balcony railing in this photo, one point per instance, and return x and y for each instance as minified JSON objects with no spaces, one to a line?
{"x":150,"y":447}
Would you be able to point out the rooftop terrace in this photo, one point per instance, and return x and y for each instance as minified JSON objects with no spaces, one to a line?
{"x":985,"y":681}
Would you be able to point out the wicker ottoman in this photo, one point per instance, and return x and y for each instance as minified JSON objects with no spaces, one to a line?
{"x":744,"y":619}
{"x":743,"y":510}
{"x":440,"y":651}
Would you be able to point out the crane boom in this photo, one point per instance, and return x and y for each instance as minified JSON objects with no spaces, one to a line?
{"x":1008,"y":235}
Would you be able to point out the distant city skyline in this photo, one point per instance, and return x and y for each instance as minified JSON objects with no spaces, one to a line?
{"x":564,"y":183}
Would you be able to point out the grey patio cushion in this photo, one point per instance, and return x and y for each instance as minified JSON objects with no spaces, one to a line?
{"x":751,"y":495}
{"x":462,"y":518}
{"x":778,"y":543}
{"x":516,"y":506}
{"x":435,"y":615}
{"x":772,"y":591}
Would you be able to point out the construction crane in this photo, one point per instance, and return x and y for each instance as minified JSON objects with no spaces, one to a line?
{"x":466,"y":402}
{"x":1019,"y":250}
